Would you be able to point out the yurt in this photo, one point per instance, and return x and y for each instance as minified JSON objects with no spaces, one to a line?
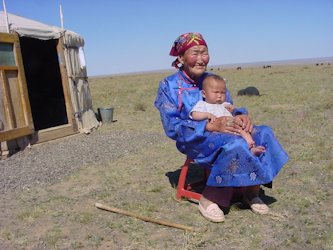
{"x":44,"y":90}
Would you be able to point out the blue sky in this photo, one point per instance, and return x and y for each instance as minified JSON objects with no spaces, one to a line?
{"x":125,"y":36}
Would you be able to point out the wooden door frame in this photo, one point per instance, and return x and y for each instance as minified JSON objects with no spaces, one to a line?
{"x":71,"y":127}
{"x":45,"y":134}
{"x":15,"y":132}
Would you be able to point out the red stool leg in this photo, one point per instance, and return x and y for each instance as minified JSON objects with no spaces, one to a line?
{"x":183,"y":190}
{"x":182,"y":180}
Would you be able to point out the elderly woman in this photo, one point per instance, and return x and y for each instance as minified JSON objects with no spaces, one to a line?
{"x":234,"y":169}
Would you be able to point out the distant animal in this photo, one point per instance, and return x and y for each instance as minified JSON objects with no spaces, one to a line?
{"x":239,"y":68}
{"x":267,"y":66}
{"x":249,"y":91}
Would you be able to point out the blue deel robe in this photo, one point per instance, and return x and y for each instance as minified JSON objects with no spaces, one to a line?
{"x":228,"y":156}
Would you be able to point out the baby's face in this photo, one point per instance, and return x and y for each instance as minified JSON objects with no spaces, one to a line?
{"x":214,"y":91}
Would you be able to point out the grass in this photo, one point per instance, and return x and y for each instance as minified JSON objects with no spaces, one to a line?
{"x":296,"y":101}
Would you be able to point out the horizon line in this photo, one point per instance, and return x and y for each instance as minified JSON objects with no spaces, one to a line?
{"x":235,"y":64}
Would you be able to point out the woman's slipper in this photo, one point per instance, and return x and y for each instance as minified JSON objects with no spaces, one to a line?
{"x":257,"y":205}
{"x":212,"y":212}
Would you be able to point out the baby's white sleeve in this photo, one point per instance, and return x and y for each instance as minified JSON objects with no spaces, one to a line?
{"x":200,"y":107}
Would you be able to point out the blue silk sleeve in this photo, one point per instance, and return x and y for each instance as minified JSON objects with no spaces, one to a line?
{"x":176,"y":126}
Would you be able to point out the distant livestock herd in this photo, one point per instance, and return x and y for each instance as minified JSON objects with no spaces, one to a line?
{"x":251,"y":90}
{"x":268,"y":66}
{"x":320,"y":64}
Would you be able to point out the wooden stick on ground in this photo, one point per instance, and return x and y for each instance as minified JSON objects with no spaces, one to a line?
{"x":144,"y":218}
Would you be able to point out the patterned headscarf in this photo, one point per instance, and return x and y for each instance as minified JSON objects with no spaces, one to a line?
{"x":183,"y":43}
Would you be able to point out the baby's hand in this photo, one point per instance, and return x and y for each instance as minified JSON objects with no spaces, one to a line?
{"x":211,"y":118}
{"x":230,"y":107}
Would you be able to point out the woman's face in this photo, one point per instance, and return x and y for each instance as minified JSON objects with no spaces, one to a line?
{"x":194,"y":61}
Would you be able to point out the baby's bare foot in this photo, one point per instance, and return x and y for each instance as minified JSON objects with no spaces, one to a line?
{"x":258,"y":150}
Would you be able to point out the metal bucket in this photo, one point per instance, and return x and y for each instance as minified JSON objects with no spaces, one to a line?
{"x":106,"y":114}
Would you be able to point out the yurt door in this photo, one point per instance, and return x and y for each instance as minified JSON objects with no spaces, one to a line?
{"x":15,"y":112}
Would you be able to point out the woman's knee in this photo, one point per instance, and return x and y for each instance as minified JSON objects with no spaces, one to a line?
{"x":239,"y":142}
{"x":242,"y":142}
{"x":263,"y":129}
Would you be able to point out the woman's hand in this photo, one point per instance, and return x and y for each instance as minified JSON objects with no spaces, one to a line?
{"x":245,"y":122}
{"x":225,"y":124}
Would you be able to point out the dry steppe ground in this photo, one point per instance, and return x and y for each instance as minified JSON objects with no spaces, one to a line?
{"x":296,"y":101}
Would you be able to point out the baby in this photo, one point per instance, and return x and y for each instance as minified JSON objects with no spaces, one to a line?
{"x":214,"y":93}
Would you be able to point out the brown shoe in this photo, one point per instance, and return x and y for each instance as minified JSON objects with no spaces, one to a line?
{"x":257,"y":205}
